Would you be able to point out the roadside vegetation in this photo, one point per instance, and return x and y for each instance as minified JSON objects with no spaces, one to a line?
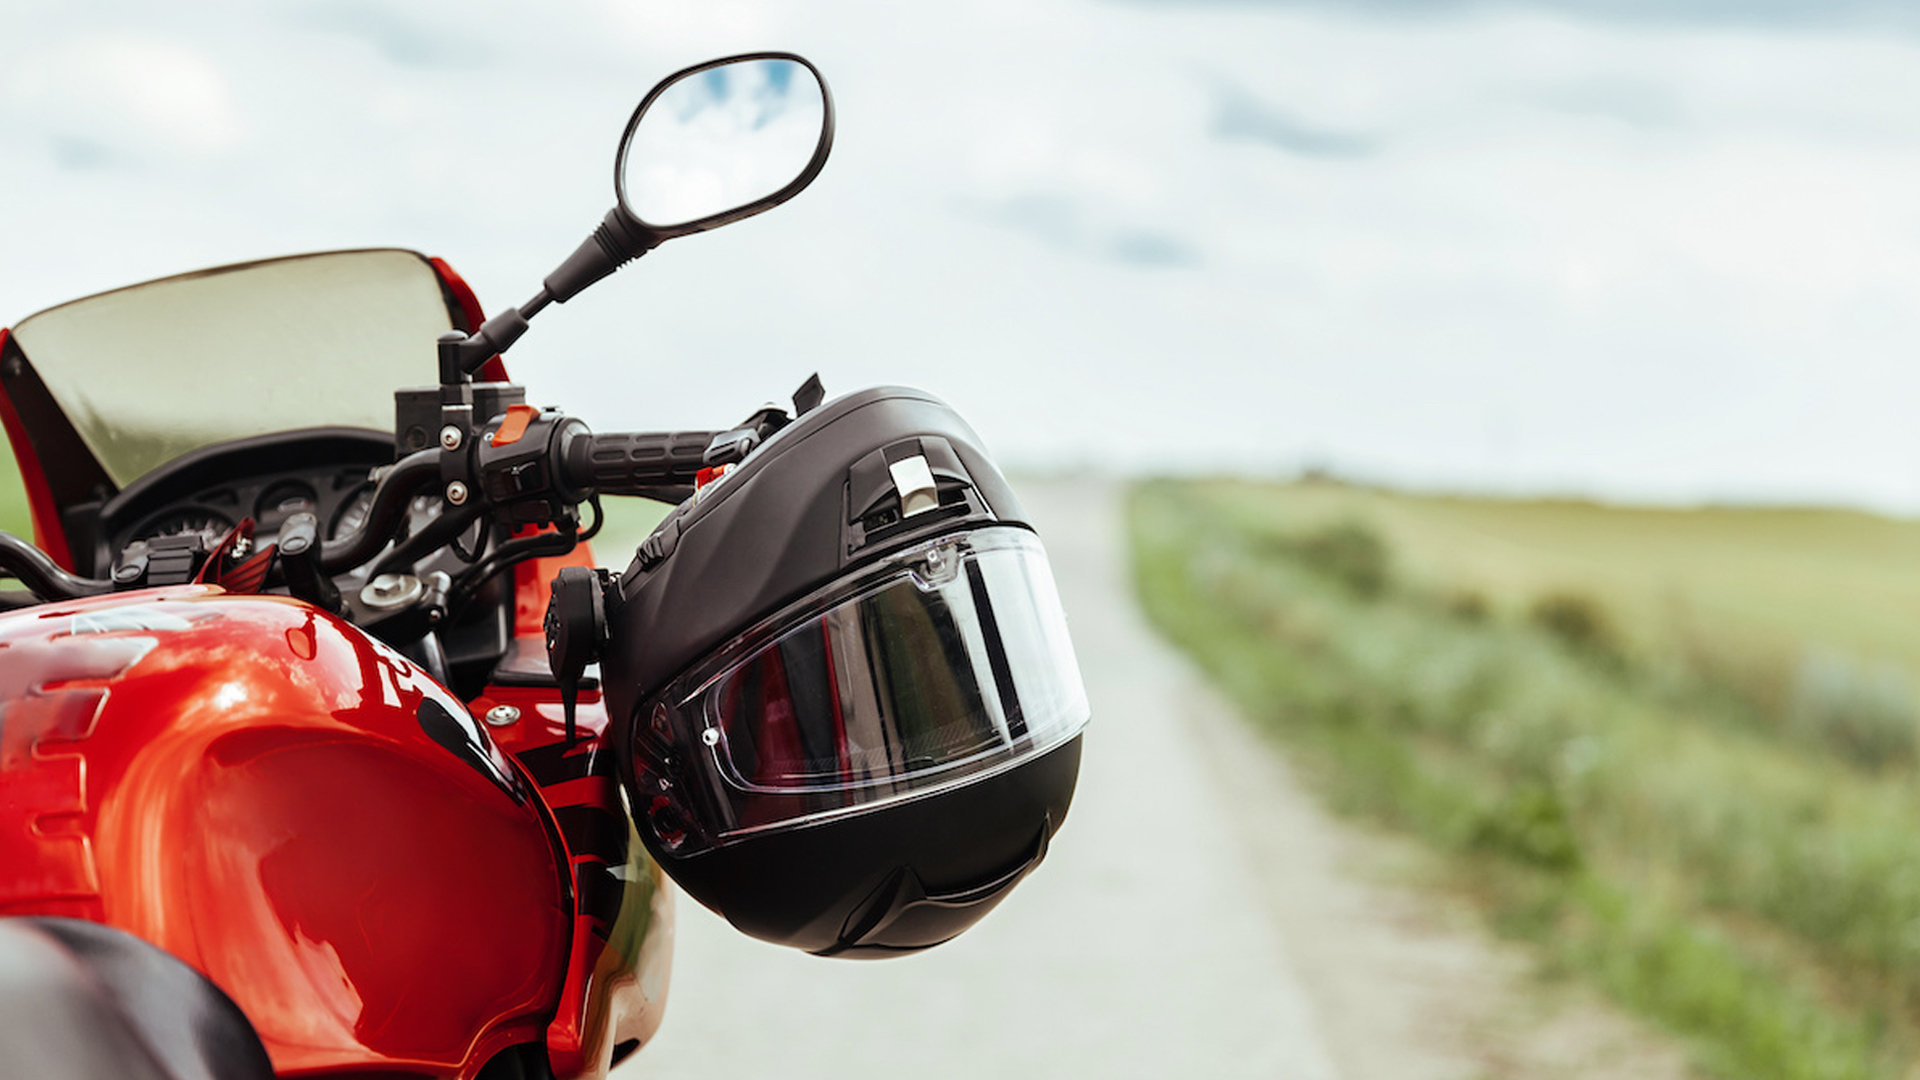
{"x":1653,"y":743}
{"x":14,"y":516}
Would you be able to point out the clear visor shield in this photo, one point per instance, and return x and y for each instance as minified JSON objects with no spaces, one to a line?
{"x":945,"y":663}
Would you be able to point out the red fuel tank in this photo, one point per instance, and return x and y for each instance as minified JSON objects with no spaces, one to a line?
{"x":292,"y":808}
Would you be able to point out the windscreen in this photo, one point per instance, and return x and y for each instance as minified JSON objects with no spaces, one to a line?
{"x":147,"y":373}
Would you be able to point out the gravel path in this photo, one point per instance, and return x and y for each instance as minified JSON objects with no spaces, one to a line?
{"x":1196,"y":917}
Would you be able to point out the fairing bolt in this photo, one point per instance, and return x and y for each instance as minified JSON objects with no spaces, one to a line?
{"x":502,"y":715}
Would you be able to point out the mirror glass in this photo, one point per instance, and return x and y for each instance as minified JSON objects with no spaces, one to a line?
{"x":721,"y":138}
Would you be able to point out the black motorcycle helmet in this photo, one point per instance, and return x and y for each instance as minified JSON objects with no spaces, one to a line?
{"x":844,"y":701}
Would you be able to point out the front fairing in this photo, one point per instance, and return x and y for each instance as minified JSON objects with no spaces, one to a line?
{"x":228,"y":793}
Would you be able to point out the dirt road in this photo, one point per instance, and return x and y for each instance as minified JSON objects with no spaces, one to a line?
{"x":1197,"y":916}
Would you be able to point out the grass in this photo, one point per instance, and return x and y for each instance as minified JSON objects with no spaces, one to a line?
{"x":1729,"y":860}
{"x":14,"y":517}
{"x":1756,"y":582}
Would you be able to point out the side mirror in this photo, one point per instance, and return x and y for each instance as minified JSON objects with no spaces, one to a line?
{"x":708,"y":146}
{"x":723,"y":141}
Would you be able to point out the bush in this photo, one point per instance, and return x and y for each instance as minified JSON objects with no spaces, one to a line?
{"x":1578,"y":620}
{"x":1351,"y":553}
{"x":1530,"y":825}
{"x":1467,"y":605}
{"x":1865,"y":713}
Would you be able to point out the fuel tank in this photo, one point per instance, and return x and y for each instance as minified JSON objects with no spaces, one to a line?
{"x":295,"y":810}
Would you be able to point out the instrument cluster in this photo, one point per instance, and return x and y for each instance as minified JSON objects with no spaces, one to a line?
{"x":325,"y":472}
{"x":189,"y":505}
{"x":338,"y":497}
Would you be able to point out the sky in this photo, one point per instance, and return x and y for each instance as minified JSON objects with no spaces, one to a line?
{"x":1628,"y":249}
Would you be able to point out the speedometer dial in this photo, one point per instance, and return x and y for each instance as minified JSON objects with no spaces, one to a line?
{"x":211,"y":525}
{"x":352,"y":514}
{"x":282,"y":501}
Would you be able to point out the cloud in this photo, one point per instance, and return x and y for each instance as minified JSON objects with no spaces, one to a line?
{"x":1782,"y":14}
{"x":400,"y":39}
{"x":1241,"y":116}
{"x":1151,"y":249}
{"x":101,"y":100}
{"x":1061,"y":223}
{"x":75,"y":154}
{"x":1683,"y":262}
{"x":1638,"y":104}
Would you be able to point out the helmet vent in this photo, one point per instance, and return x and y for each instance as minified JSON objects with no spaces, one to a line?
{"x":914,"y":481}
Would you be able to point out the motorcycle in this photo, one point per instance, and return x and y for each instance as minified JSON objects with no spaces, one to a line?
{"x":326,"y":749}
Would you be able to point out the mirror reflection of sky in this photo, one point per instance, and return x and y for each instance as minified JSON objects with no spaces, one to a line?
{"x":766,"y":85}
{"x":1653,"y":248}
{"x":721,"y":138}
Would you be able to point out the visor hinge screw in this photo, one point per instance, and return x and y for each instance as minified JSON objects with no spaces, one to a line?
{"x":456,"y":493}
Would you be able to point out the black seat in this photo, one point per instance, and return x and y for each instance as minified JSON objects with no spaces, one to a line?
{"x":81,"y":1001}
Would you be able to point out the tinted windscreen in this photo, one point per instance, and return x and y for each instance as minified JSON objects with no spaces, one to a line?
{"x":148,"y":373}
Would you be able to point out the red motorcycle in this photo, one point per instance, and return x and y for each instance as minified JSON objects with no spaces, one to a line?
{"x":326,"y":750}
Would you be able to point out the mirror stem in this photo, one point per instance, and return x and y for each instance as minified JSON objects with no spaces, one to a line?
{"x":459,"y":359}
{"x":614,"y":243}
{"x":617,"y":241}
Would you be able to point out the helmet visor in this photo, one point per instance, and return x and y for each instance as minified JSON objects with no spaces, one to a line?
{"x":945,"y":662}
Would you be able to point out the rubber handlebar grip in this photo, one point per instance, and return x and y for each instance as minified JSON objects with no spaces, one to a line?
{"x":624,"y":463}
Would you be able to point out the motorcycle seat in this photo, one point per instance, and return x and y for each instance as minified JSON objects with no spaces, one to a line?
{"x":82,"y":1001}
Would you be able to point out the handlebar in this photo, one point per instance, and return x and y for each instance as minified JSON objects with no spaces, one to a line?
{"x":390,"y":497}
{"x":615,"y":463}
{"x":583,"y":463}
{"x":41,"y":575}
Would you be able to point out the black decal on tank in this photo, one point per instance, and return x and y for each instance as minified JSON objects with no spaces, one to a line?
{"x":460,"y":735}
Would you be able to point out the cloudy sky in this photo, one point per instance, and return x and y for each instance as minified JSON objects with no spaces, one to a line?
{"x":1661,"y":249}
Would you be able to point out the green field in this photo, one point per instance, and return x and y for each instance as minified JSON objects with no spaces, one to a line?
{"x":1758,"y":580}
{"x":1675,"y":749}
